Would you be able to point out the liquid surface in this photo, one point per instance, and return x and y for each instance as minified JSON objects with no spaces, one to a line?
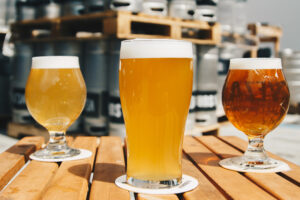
{"x":156,"y":48}
{"x":255,"y":101}
{"x":55,"y":97}
{"x":155,"y":97}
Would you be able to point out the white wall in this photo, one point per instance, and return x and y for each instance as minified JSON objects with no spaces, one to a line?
{"x":285,"y":13}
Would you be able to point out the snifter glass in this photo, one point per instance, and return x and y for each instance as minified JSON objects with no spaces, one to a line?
{"x":55,"y":96}
{"x":255,"y":99}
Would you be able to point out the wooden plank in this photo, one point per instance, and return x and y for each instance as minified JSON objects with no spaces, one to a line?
{"x":232,"y":184}
{"x":109,"y":165}
{"x":16,"y":130}
{"x":72,"y":178}
{"x":241,"y":145}
{"x":205,"y":190}
{"x":31,"y":182}
{"x":156,"y":197}
{"x":15,"y":157}
{"x":271,"y":182}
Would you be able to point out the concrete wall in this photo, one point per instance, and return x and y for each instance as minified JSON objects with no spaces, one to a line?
{"x":285,"y":13}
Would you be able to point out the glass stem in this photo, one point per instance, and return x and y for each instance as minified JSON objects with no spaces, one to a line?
{"x":57,"y":141}
{"x":255,"y":153}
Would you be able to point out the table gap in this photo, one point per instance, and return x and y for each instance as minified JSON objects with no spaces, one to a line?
{"x":278,"y":173}
{"x":227,"y":196}
{"x":288,"y":178}
{"x":241,"y":173}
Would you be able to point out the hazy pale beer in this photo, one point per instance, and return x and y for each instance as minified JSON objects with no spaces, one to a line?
{"x":57,"y":101}
{"x":255,"y":99}
{"x":55,"y":96}
{"x":155,"y":80}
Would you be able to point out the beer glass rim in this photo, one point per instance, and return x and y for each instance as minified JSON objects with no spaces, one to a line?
{"x":55,"y":62}
{"x":255,"y":63}
{"x":155,"y":48}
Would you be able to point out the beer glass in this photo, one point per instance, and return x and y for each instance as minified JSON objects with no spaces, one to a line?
{"x":255,"y":99}
{"x":55,"y":96}
{"x":155,"y":79}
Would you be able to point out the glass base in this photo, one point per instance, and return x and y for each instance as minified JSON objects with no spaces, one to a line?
{"x":56,"y":154}
{"x":242,"y":164}
{"x":153,"y":184}
{"x":186,"y":183}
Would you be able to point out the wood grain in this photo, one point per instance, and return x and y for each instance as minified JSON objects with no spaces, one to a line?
{"x":156,"y":197}
{"x":271,"y":182}
{"x":205,"y":190}
{"x":12,"y":160}
{"x":232,"y":184}
{"x":31,"y":183}
{"x":72,"y":178}
{"x":241,"y":145}
{"x":109,"y":165}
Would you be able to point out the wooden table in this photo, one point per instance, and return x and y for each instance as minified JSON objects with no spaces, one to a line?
{"x":73,"y":180}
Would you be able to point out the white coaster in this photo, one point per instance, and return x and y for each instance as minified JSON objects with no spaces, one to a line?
{"x":188,"y":183}
{"x":282,"y":166}
{"x":83,"y":154}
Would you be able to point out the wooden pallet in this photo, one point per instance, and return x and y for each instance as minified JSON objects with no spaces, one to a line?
{"x":245,"y":41}
{"x":267,"y":33}
{"x":17,"y":130}
{"x":70,"y":180}
{"x":204,"y":130}
{"x":119,"y":24}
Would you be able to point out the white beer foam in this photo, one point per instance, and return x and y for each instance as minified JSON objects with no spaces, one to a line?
{"x":255,"y":63}
{"x":156,"y":48}
{"x":55,"y":62}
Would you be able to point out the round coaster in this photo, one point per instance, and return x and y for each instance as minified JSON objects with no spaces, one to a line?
{"x":83,"y":154}
{"x":228,"y":164}
{"x":188,"y":183}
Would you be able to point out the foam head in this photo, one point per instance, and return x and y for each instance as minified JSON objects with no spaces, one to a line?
{"x":155,"y":48}
{"x":55,"y":62}
{"x":255,"y":63}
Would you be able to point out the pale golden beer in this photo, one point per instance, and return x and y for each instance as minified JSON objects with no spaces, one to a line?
{"x":55,"y":96}
{"x":255,"y":99}
{"x":58,"y":98}
{"x":155,"y":90}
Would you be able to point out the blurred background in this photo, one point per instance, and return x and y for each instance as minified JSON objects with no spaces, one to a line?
{"x":93,"y":29}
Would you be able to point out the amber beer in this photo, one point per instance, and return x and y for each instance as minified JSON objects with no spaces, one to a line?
{"x":55,"y":95}
{"x":255,"y":98}
{"x":155,"y":78}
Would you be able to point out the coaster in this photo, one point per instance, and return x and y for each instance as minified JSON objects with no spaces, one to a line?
{"x":83,"y":154}
{"x":227,"y":163}
{"x":188,"y":183}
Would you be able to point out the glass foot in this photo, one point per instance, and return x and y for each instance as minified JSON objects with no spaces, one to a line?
{"x":153,"y":184}
{"x":186,"y":183}
{"x":56,"y":154}
{"x":241,"y":164}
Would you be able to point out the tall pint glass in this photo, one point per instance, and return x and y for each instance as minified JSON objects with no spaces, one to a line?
{"x":155,"y":78}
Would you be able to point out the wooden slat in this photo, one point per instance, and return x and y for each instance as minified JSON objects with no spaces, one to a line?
{"x":242,"y":146}
{"x":205,"y":190}
{"x":109,"y":165}
{"x":233,"y":184}
{"x":15,"y":157}
{"x":31,"y":182}
{"x":71,"y":179}
{"x":271,"y":182}
{"x":156,"y":197}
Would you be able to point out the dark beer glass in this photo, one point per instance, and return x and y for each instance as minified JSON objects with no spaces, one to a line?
{"x":255,"y":99}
